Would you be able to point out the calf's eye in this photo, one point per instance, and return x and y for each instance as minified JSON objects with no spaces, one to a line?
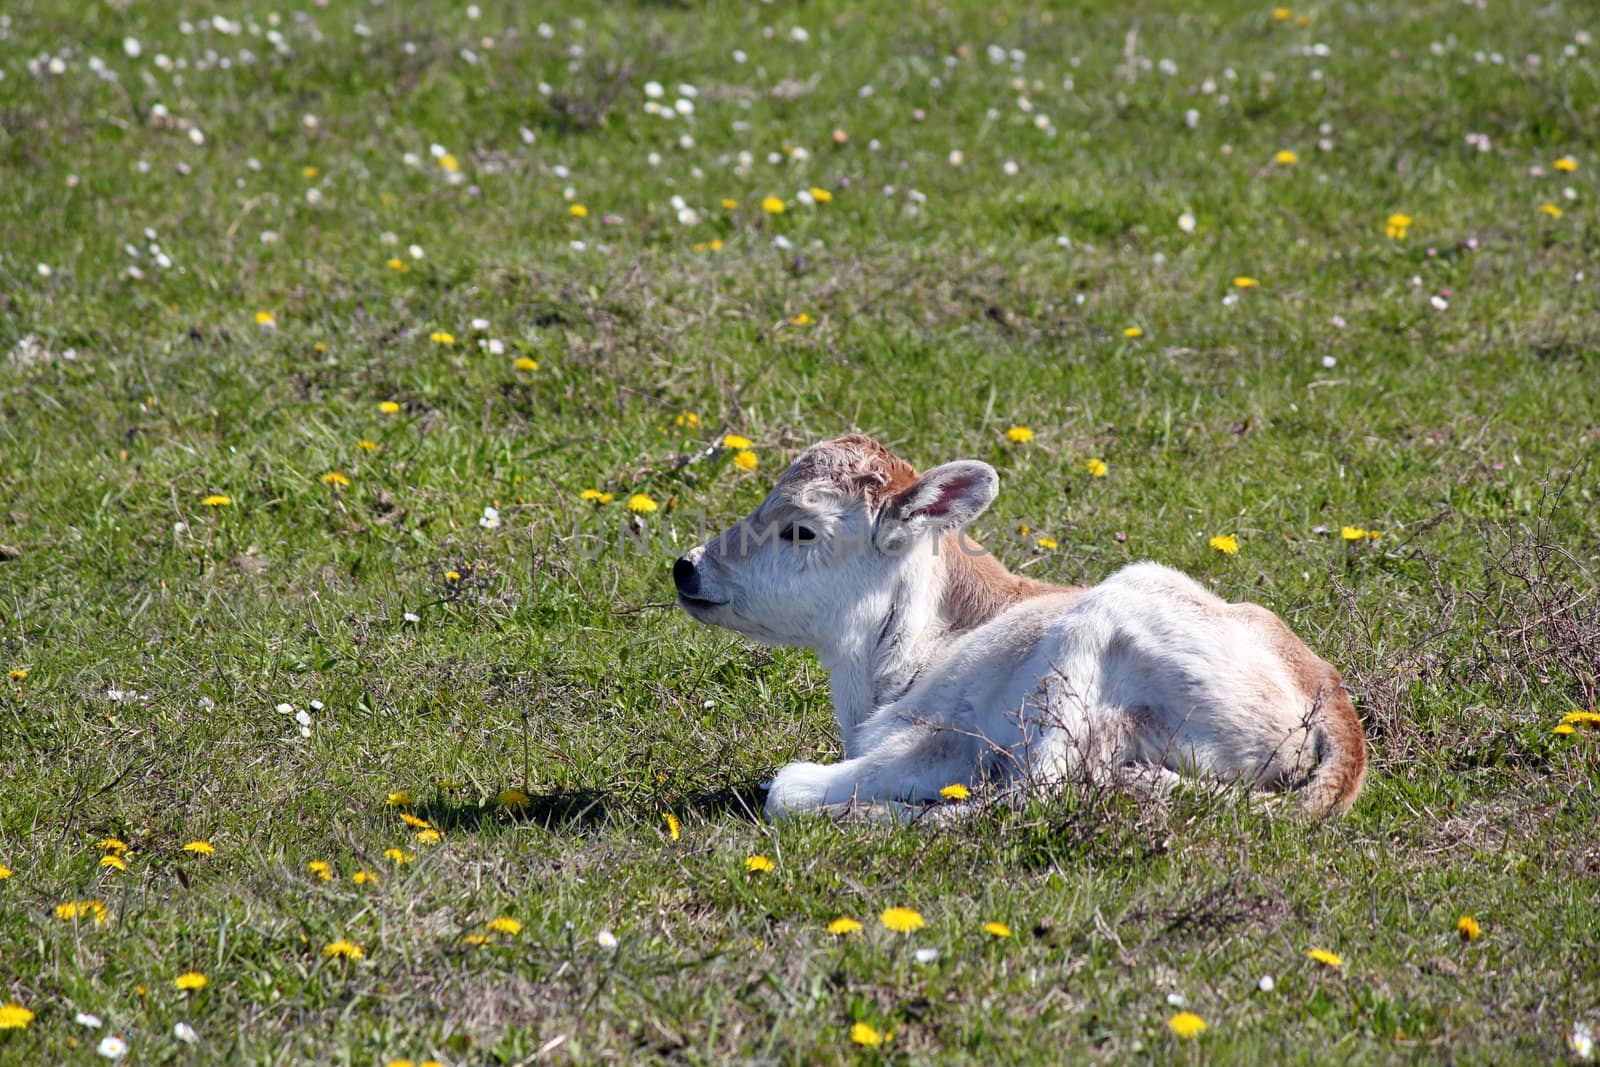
{"x":799,"y":534}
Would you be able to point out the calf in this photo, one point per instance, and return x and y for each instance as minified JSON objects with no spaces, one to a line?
{"x":946,"y":668}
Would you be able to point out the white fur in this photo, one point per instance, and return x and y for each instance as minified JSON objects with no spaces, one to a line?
{"x":1146,"y":672}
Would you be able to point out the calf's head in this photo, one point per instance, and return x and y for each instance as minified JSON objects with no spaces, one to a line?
{"x":832,"y":546}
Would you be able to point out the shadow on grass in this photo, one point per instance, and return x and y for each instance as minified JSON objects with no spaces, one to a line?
{"x":585,"y":811}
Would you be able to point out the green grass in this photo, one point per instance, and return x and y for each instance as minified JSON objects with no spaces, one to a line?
{"x":946,"y":303}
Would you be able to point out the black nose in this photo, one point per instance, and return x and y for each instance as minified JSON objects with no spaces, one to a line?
{"x":685,"y":577}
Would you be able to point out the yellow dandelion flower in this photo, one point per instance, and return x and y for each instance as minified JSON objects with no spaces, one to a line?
{"x":475,"y":939}
{"x":395,"y":263}
{"x":997,"y":929}
{"x":200,"y":848}
{"x":115,"y":863}
{"x":957,"y":791}
{"x":511,"y":798}
{"x":902,"y":920}
{"x":17,"y":674}
{"x":442,"y":337}
{"x":1286,"y":158}
{"x":1049,"y":544}
{"x":640,"y":503}
{"x":336,"y":478}
{"x":1326,"y":958}
{"x":1019,"y":435}
{"x":449,"y":163}
{"x":1133,"y":331}
{"x":597,"y":496}
{"x":526,"y":363}
{"x":265,"y":318}
{"x":14,"y":1017}
{"x":1282,"y":14}
{"x":191,"y":981}
{"x":1551,"y":210}
{"x":672,"y":825}
{"x":579,"y":211}
{"x":1468,"y":927}
{"x":321,"y":869}
{"x":821,"y":196}
{"x":363,"y":878}
{"x":414,"y":822}
{"x":1581,"y":718}
{"x":400,"y":798}
{"x":1097,"y":468}
{"x":389,"y":407}
{"x":82,"y":909}
{"x":1244,"y":282}
{"x":399,"y":1063}
{"x":1565,"y":163}
{"x":1564,"y":729}
{"x":1187,"y":1025}
{"x":757,"y":863}
{"x":801,"y":319}
{"x":843,"y":926}
{"x":309,"y":172}
{"x":368,"y":446}
{"x":773,"y":205}
{"x":505,"y":924}
{"x":1396,"y":225}
{"x":866,"y":1034}
{"x":398,"y":856}
{"x":688,"y":420}
{"x":343,"y":949}
{"x":728,"y":203}
{"x":452,"y":576}
{"x":5,"y":872}
{"x":734,"y":440}
{"x":1353,"y":533}
{"x":114,"y":845}
{"x":429,"y":836}
{"x":746,"y":460}
{"x":217,"y":500}
{"x":1227,"y":544}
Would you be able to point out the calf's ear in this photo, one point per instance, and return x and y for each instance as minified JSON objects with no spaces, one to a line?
{"x":942,"y":500}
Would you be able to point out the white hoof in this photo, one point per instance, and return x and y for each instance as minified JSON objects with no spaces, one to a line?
{"x":797,"y":787}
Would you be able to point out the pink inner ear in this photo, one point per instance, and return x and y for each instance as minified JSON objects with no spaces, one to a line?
{"x":949,"y":492}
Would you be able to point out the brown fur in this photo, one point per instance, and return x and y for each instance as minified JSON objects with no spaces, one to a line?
{"x":1336,"y":781}
{"x":857,"y":464}
{"x":978,"y":587}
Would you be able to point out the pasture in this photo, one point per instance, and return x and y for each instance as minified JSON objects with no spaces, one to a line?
{"x":364,"y":366}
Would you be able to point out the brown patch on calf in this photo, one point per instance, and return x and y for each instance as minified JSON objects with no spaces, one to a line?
{"x":856,"y":466}
{"x":1343,"y":769}
{"x":977,"y":587}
